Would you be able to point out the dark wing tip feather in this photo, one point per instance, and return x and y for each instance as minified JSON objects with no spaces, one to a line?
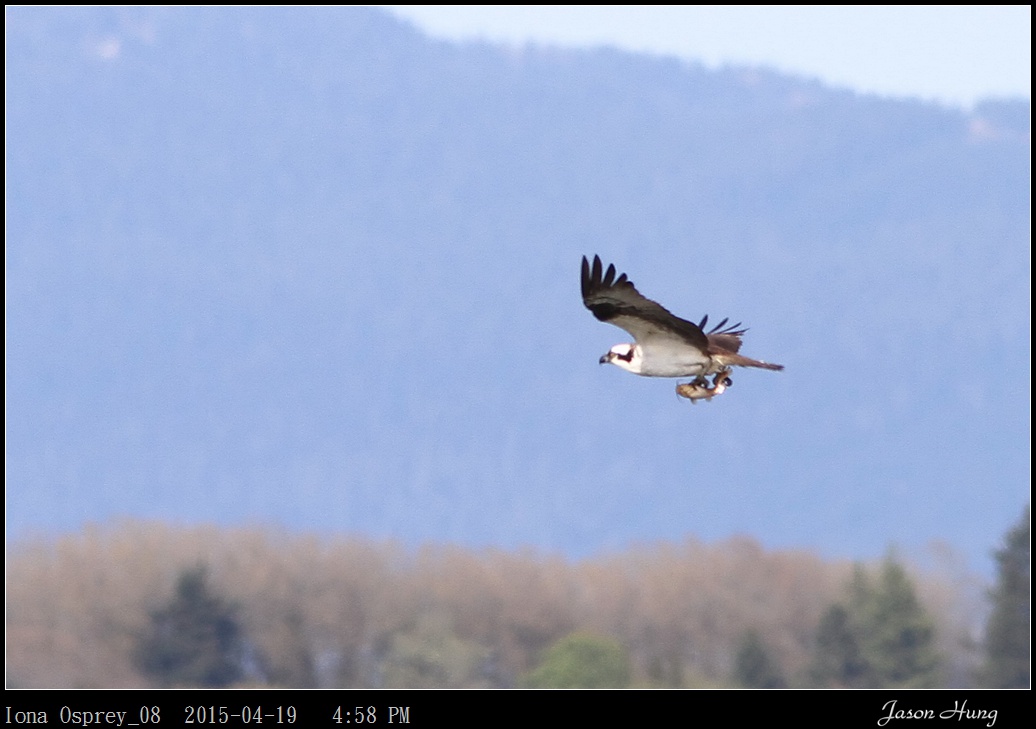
{"x":719,"y":328}
{"x":722,"y":327}
{"x":595,"y":279}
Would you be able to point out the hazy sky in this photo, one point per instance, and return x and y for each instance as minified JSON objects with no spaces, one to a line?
{"x":951,"y":53}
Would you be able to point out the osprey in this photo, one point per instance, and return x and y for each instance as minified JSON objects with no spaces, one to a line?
{"x":665,"y":345}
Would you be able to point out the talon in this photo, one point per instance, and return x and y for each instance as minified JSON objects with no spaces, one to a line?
{"x":722,"y":377}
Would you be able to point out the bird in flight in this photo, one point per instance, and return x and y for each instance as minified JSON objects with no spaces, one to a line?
{"x":664,"y":344}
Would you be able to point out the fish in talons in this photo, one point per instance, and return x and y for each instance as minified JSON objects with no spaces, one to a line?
{"x":699,"y":388}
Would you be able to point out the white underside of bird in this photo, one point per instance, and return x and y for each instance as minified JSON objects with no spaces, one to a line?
{"x":659,"y":360}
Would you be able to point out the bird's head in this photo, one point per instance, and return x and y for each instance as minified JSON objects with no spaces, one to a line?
{"x":623,"y":355}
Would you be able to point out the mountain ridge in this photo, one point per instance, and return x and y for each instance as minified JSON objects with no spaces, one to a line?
{"x":315,"y":268}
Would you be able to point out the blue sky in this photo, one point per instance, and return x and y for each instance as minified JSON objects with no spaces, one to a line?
{"x":954,"y":54}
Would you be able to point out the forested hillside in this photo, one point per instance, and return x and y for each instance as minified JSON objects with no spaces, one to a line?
{"x":308,"y":267}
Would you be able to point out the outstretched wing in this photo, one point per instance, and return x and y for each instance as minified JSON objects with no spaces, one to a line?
{"x":723,"y":336}
{"x":617,"y":301}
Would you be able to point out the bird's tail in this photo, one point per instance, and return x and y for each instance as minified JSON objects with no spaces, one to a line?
{"x":740,"y":361}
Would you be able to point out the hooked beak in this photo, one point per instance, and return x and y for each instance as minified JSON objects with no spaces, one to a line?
{"x":605,"y":358}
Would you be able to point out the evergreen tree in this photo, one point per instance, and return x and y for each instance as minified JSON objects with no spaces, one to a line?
{"x":895,"y":633}
{"x":753,"y":667}
{"x":837,"y":662}
{"x":194,"y":640}
{"x":581,"y":660}
{"x":1007,"y":632}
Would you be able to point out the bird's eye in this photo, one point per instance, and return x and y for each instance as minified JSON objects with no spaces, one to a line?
{"x":727,"y":381}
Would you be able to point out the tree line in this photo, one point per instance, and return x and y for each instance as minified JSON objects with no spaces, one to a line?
{"x":149,"y":604}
